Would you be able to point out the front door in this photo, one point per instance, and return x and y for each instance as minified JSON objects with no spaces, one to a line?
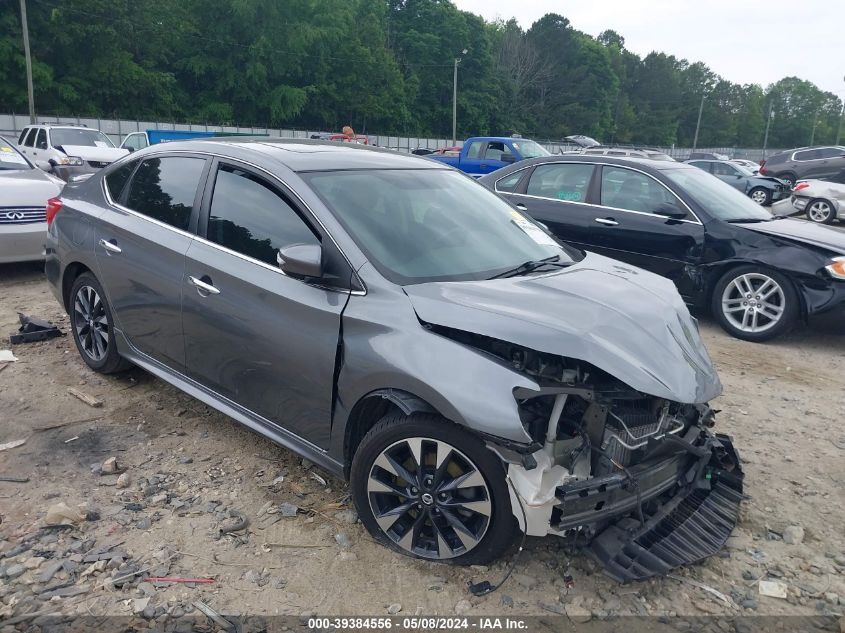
{"x":729,"y":174}
{"x":627,"y":227}
{"x":264,"y":340}
{"x":140,"y":246}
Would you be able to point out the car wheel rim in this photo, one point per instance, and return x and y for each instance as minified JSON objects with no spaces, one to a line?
{"x":91,"y":323}
{"x":819,"y":211}
{"x":759,"y":196}
{"x":429,"y":498}
{"x":753,"y":302}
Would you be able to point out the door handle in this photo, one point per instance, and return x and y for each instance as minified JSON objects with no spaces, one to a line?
{"x":607,"y":221}
{"x":521,"y":207}
{"x":110,"y":246}
{"x":203,"y":286}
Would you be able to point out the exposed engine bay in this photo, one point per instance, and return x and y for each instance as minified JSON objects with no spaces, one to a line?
{"x":641,"y":480}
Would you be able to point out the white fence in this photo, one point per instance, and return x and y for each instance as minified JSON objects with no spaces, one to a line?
{"x":12,"y":124}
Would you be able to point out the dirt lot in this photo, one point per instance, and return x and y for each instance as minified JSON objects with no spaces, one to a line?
{"x":191,"y":471}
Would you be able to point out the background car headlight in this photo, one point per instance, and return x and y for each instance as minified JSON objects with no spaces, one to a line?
{"x":73,"y":161}
{"x":836,"y":267}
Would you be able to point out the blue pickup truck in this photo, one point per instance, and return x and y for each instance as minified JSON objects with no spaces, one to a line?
{"x":484,"y":154}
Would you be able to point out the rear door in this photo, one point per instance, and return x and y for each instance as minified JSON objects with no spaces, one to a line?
{"x":627,"y":228}
{"x":556,"y":195}
{"x":256,"y":336}
{"x":141,"y":244}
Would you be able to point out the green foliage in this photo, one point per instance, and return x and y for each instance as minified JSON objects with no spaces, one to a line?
{"x":383,"y":65}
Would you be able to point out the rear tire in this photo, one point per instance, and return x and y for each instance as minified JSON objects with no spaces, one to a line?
{"x":91,"y":323}
{"x":820,"y":211}
{"x":761,"y":196}
{"x":428,"y":489}
{"x":789,"y":177}
{"x":755,"y":304}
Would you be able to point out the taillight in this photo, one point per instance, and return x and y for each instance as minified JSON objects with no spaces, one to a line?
{"x":800,"y":186}
{"x":54,"y":205}
{"x":762,"y":169}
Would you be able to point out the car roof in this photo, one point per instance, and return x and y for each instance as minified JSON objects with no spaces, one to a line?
{"x":622,"y":161}
{"x":300,"y":155}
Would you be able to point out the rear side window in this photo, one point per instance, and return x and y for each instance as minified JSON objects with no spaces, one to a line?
{"x":830,"y":152}
{"x":165,"y":188}
{"x":724,"y":169}
{"x":116,"y":180}
{"x":250,"y":217}
{"x":561,"y":181}
{"x":508,"y":183}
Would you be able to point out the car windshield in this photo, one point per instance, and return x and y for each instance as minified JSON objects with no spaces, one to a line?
{"x":530,"y":149}
{"x":742,"y":169}
{"x":717,"y":198}
{"x":79,"y":136}
{"x":432,"y":225}
{"x":10,"y":158}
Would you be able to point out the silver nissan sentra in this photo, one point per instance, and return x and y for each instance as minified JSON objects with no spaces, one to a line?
{"x":403,"y":327}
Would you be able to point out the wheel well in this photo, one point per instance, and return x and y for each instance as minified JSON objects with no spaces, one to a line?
{"x":72,"y":271}
{"x":372,"y":408}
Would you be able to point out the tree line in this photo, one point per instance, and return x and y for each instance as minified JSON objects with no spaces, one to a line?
{"x":384,"y":66}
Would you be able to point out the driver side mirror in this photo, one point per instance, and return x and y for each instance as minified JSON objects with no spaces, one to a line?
{"x":508,"y":158}
{"x":670,"y":211}
{"x":301,"y":260}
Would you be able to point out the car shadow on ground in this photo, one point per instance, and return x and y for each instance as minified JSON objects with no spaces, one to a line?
{"x":25,"y":271}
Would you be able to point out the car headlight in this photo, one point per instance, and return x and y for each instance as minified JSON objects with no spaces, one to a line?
{"x":836,"y":268}
{"x":73,"y":161}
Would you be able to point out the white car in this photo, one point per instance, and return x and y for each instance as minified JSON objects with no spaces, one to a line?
{"x":68,"y":150}
{"x":24,"y":192}
{"x":823,"y":201}
{"x":750,"y":165}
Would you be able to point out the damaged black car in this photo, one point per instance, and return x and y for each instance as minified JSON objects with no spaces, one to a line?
{"x":403,"y":327}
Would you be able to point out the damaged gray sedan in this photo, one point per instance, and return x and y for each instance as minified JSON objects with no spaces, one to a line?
{"x":403,"y":327}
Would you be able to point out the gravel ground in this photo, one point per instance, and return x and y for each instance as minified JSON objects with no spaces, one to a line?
{"x":192,"y":476}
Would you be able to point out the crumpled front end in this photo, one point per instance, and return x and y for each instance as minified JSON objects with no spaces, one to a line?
{"x":641,"y":479}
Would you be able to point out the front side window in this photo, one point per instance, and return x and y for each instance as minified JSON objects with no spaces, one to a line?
{"x":79,"y":136}
{"x":495,"y":150}
{"x":30,"y":137}
{"x":561,"y":181}
{"x":164,"y":189}
{"x":135,"y":141}
{"x":725,"y":169}
{"x":251,"y":217}
{"x":831,"y":152}
{"x":474,"y":150}
{"x":41,"y":139}
{"x":425,"y":225}
{"x":634,"y":191}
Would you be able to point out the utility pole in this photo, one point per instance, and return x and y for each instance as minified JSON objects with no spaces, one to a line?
{"x":454,"y":99}
{"x":698,"y":124}
{"x":768,"y":123}
{"x":29,"y":89}
{"x":813,"y":131}
{"x":841,"y":116}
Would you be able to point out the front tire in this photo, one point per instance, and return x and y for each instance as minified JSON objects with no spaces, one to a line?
{"x":820,"y":211}
{"x":754,"y":303}
{"x":429,"y":489}
{"x":789,"y":177}
{"x":92,"y":326}
{"x":761,"y":196}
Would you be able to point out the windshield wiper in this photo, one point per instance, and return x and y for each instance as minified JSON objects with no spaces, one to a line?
{"x":530,"y":266}
{"x":748,"y":220}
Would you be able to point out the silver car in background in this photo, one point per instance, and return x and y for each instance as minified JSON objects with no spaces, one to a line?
{"x":823,"y":201}
{"x":24,"y":192}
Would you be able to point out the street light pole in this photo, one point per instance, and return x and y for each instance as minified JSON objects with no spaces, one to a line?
{"x":29,"y":89}
{"x":698,"y":124}
{"x":454,"y":98}
{"x":841,"y":116}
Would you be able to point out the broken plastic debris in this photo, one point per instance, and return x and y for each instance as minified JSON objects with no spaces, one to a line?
{"x":6,"y":356}
{"x":12,"y":444}
{"x":63,"y":514}
{"x":772,"y":588}
{"x":288,"y":509}
{"x":33,"y":329}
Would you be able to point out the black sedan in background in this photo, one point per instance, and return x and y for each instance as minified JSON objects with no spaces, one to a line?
{"x":761,"y":189}
{"x":758,"y":274}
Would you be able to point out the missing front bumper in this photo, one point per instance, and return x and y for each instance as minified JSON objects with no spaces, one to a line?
{"x":643,"y":522}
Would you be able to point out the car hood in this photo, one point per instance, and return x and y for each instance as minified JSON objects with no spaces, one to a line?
{"x":801,"y":231}
{"x":628,"y":322}
{"x":101,"y":154}
{"x":26,"y":188}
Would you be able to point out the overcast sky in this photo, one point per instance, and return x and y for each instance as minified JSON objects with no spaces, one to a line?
{"x":745,"y":41}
